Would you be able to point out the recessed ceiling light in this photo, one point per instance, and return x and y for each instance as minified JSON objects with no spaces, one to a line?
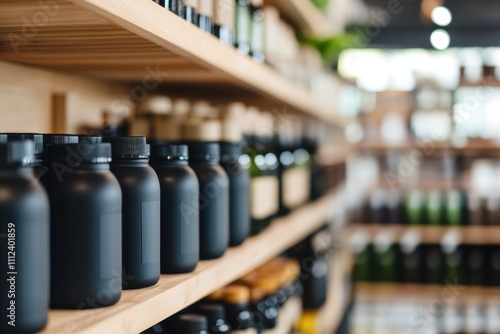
{"x":441,"y":16}
{"x":440,"y":39}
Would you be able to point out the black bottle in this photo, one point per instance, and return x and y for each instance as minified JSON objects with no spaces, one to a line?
{"x":205,"y":15}
{"x":243,"y":26}
{"x":238,"y":310}
{"x":192,"y":324}
{"x":410,"y":259}
{"x":204,"y":157}
{"x":239,"y":183}
{"x":189,"y":12}
{"x":223,"y":18}
{"x":86,"y":204}
{"x":24,"y":242}
{"x":37,"y":161}
{"x":216,"y":316}
{"x":52,"y":139}
{"x":141,"y":211}
{"x":474,"y":265}
{"x":433,"y":264}
{"x":492,"y":265}
{"x":180,"y":231}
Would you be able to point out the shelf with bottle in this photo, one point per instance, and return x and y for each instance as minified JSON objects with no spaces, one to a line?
{"x":303,"y":14}
{"x":142,"y":43}
{"x":140,"y":309}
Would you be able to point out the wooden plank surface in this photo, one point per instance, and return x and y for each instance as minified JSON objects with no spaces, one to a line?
{"x":137,"y":40}
{"x":139,"y":309}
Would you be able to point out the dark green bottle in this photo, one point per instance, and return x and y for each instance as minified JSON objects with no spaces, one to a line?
{"x":385,"y":257}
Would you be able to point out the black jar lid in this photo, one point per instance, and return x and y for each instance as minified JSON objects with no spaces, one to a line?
{"x":16,"y":153}
{"x":203,"y":151}
{"x":128,"y":147}
{"x":36,"y":138}
{"x":89,"y":139}
{"x":213,"y":312}
{"x":193,"y":323}
{"x":167,"y":152}
{"x":78,"y":153}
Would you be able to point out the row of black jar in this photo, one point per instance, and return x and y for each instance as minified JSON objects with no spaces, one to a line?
{"x":121,"y":212}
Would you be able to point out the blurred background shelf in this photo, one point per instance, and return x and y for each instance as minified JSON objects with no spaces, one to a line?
{"x":136,"y":42}
{"x":303,"y":14}
{"x":434,"y":234}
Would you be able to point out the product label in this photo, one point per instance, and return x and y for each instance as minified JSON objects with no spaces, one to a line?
{"x":205,"y":7}
{"x":110,"y":240}
{"x":150,"y":238}
{"x":265,"y":199}
{"x":224,"y":13}
{"x":296,"y":185}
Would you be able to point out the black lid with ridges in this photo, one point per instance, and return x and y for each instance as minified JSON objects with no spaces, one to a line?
{"x":193,"y":323}
{"x":167,"y":152}
{"x":36,"y":138}
{"x":79,"y":153}
{"x":203,"y":151}
{"x":16,"y":153}
{"x":90,"y":139}
{"x":128,"y":147}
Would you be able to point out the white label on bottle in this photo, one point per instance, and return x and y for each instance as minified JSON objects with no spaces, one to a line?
{"x":296,"y":186}
{"x":224,"y":11}
{"x":264,"y":196}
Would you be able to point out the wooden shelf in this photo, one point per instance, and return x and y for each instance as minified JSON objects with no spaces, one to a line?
{"x":428,"y":148}
{"x":137,"y":41}
{"x":425,"y":293}
{"x":302,"y":14}
{"x":140,"y":309}
{"x":434,"y":234}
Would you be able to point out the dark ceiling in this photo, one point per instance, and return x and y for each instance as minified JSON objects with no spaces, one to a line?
{"x":475,"y":23}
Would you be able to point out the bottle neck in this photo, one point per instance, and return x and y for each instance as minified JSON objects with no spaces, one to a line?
{"x":169,"y":162}
{"x":85,"y":166}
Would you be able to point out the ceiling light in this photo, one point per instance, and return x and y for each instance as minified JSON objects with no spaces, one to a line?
{"x":441,"y":16}
{"x":440,"y":39}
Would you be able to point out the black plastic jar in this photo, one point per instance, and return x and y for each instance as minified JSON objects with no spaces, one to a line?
{"x":192,"y":324}
{"x":216,"y":316}
{"x":86,"y":204}
{"x":239,"y":177}
{"x":213,"y":200}
{"x":180,"y":222}
{"x":24,"y":242}
{"x":37,"y":160}
{"x":141,"y":211}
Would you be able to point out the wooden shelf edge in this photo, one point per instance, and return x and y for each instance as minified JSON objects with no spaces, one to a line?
{"x":140,"y":309}
{"x":424,"y":292}
{"x":165,"y":29}
{"x":472,"y":235}
{"x":304,"y":15}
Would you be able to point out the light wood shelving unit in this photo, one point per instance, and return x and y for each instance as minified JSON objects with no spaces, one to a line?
{"x":139,"y":309}
{"x":425,"y":293}
{"x":137,"y":41}
{"x":474,"y":235}
{"x":303,"y":14}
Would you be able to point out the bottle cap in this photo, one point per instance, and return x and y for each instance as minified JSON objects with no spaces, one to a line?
{"x":231,"y":131}
{"x":201,"y":130}
{"x":169,"y":152}
{"x":203,"y":110}
{"x":78,"y":153}
{"x":233,"y":111}
{"x":35,"y":137}
{"x":155,"y":105}
{"x":181,"y":108}
{"x":236,"y":294}
{"x":90,"y":139}
{"x":193,"y":323}
{"x":128,"y":147}
{"x":203,"y":151}
{"x":213,"y":312}
{"x":16,"y":153}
